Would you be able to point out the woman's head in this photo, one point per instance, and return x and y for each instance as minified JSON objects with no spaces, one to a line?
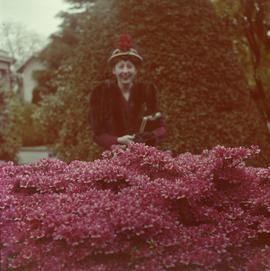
{"x":125,"y":72}
{"x":125,"y":52}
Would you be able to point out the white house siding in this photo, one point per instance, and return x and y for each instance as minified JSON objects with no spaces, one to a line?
{"x":28,"y":81}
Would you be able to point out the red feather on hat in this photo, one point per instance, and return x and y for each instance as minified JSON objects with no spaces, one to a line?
{"x":124,"y":42}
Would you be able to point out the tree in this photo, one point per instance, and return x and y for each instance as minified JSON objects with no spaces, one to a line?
{"x":57,"y":52}
{"x":248,"y":22}
{"x":66,"y":109}
{"x":19,"y":41}
{"x":11,"y":125}
{"x":189,"y":55}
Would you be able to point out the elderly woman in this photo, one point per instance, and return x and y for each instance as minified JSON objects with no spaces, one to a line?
{"x":124,"y":111}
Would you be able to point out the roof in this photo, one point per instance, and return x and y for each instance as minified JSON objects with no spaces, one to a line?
{"x":34,"y":56}
{"x":22,"y":67}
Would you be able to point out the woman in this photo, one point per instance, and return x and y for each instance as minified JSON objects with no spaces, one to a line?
{"x":117,"y":108}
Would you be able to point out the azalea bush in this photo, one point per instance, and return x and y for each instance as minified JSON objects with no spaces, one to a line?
{"x":137,"y":208}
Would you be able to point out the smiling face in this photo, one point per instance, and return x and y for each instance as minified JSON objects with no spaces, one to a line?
{"x":125,"y":72}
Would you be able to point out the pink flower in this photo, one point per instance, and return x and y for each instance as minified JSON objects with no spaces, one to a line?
{"x":138,"y":208}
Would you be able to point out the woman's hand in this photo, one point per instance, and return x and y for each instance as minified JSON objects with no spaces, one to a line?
{"x":126,"y":139}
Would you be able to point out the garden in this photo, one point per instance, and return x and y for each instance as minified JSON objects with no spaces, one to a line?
{"x":198,"y":201}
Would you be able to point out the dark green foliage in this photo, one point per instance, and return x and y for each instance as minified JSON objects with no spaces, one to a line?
{"x":204,"y":95}
{"x":248,"y":24}
{"x":188,"y":54}
{"x":34,"y":134}
{"x":11,"y":123}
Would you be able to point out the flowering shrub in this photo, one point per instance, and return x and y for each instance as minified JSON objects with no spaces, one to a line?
{"x":137,"y":209}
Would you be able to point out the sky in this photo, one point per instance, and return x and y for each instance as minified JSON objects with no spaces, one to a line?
{"x":38,"y":16}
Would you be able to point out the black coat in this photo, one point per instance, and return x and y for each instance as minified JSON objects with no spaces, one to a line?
{"x":109,"y":115}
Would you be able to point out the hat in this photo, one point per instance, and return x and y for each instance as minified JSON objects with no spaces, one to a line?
{"x":124,"y":49}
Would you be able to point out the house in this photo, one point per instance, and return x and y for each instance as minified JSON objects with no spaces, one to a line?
{"x":28,"y":83}
{"x":5,"y":73}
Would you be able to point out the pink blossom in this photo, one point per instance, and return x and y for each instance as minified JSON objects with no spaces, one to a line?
{"x":138,"y":208}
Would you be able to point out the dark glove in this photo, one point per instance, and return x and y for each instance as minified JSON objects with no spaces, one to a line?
{"x":146,"y":137}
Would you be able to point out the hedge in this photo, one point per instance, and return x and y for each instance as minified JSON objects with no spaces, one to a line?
{"x":188,"y":54}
